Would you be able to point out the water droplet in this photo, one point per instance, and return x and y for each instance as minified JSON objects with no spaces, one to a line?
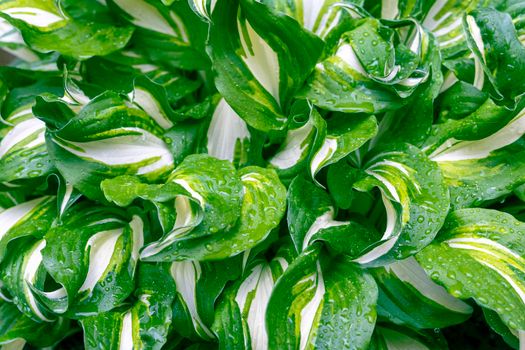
{"x":34,"y":173}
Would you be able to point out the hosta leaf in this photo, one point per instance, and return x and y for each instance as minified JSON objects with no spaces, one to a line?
{"x":311,"y":218}
{"x":415,"y":197}
{"x":367,"y":73}
{"x":495,"y":322}
{"x":92,"y":257}
{"x":320,"y":142}
{"x":254,"y":63}
{"x":203,"y":8}
{"x":306,"y":132}
{"x":20,"y":272}
{"x":390,"y":337}
{"x":485,"y":164}
{"x":23,"y":155}
{"x":228,"y":136}
{"x":316,"y":300}
{"x":172,"y":36}
{"x":344,"y":135}
{"x":489,"y":33}
{"x":240,"y":321}
{"x":151,"y":15}
{"x":45,"y":27}
{"x":79,"y":148}
{"x":31,"y":218}
{"x":479,"y":254}
{"x":206,"y":194}
{"x":318,"y":17}
{"x":11,"y":41}
{"x":9,"y":199}
{"x":198,"y":285}
{"x":413,"y":122}
{"x":408,"y":296}
{"x":444,"y":20}
{"x":16,"y":328}
{"x":145,"y":324}
{"x":263,"y":206}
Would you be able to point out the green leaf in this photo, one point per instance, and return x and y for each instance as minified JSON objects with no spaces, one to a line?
{"x":92,"y":257}
{"x":499,"y":327}
{"x":240,"y":320}
{"x":489,"y":33}
{"x":16,"y":328}
{"x":407,"y":296}
{"x":415,"y":197}
{"x":79,"y":148}
{"x":31,"y":218}
{"x":45,"y":28}
{"x":318,"y":17}
{"x":198,"y":285}
{"x":263,"y":206}
{"x":251,"y":49}
{"x":316,"y":300}
{"x":479,"y":254}
{"x":366,"y":72}
{"x":145,"y":324}
{"x":390,"y":337}
{"x":485,"y":164}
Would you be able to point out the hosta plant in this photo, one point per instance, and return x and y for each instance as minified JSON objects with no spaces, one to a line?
{"x":262,"y":174}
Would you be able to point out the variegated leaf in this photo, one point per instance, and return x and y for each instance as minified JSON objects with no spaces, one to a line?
{"x":321,"y":303}
{"x":479,"y":254}
{"x":96,"y":271}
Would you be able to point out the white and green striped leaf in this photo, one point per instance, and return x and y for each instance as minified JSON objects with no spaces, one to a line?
{"x":143,"y":325}
{"x":172,"y":36}
{"x":311,"y":218}
{"x":265,"y":76}
{"x":204,"y":8}
{"x":415,"y":197}
{"x":31,"y":218}
{"x":498,"y":71}
{"x":96,"y":271}
{"x":304,"y":136}
{"x":479,"y":254}
{"x":106,"y":139}
{"x":317,"y":16}
{"x":343,"y":136}
{"x":322,"y":303}
{"x":198,"y":285}
{"x":205,"y":206}
{"x":20,"y":272}
{"x":366,"y":72}
{"x":46,"y":27}
{"x":262,"y":208}
{"x":153,"y":16}
{"x":16,"y":329}
{"x":228,"y":136}
{"x":241,"y":314}
{"x":205,"y":195}
{"x":408,"y":296}
{"x":485,"y":164}
{"x":23,"y":154}
{"x":11,"y":41}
